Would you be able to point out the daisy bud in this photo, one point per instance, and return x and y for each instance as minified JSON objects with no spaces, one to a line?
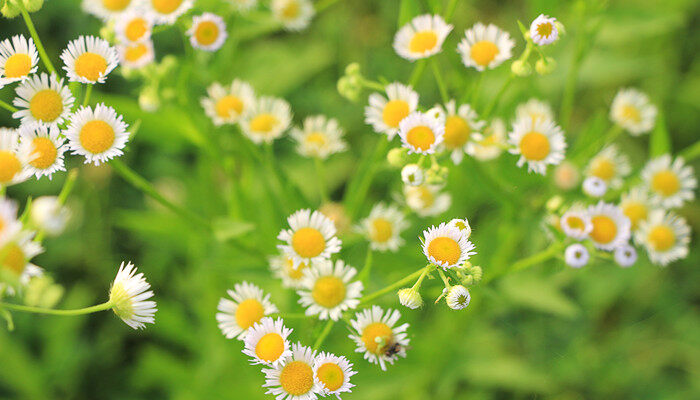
{"x":412,"y":175}
{"x":353,"y":69}
{"x":349,"y":88}
{"x":594,"y":186}
{"x":625,"y":256}
{"x":576,"y":255}
{"x":410,"y":298}
{"x":33,"y":5}
{"x":48,"y":214}
{"x":458,"y":297}
{"x":476,"y":273}
{"x":521,"y":68}
{"x":436,"y":175}
{"x":41,"y":291}
{"x":545,"y":66}
{"x":9,"y":10}
{"x":148,"y":99}
{"x":554,"y":203}
{"x":397,"y":157}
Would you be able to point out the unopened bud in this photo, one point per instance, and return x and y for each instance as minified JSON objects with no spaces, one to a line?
{"x":410,"y":298}
{"x":397,"y":157}
{"x":545,"y":66}
{"x":458,"y":297}
{"x":521,"y":68}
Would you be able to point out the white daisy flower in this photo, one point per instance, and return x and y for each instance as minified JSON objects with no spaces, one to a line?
{"x":446,"y":246}
{"x":266,"y":342}
{"x":670,"y":182}
{"x":485,"y":47}
{"x":295,"y":378}
{"x":99,"y":135}
{"x":283,"y":267}
{"x":458,"y":297}
{"x":566,"y":175}
{"x":9,"y":225}
{"x":328,"y":291}
{"x":129,"y":296}
{"x":383,"y":227}
{"x":632,"y":110}
{"x":576,"y":255}
{"x":421,"y":37}
{"x":427,"y":200}
{"x":412,"y":175}
{"x":16,"y":251}
{"x":168,"y":11}
{"x":109,"y":9}
{"x":319,"y":137}
{"x":49,"y":215}
{"x":538,"y":142}
{"x":535,"y":109}
{"x":385,"y":113}
{"x":665,"y":236}
{"x":226,"y":105}
{"x":43,"y":100}
{"x":133,"y":26}
{"x":610,"y":165}
{"x":576,"y":223}
{"x":463,"y":226}
{"x":45,"y":147}
{"x":136,"y":55}
{"x":491,"y":142}
{"x":594,"y":186}
{"x":14,"y":159}
{"x":611,"y":228}
{"x":409,"y":297}
{"x":294,"y":15}
{"x":89,"y":59}
{"x":333,"y":374}
{"x":625,"y":256}
{"x":543,"y":30}
{"x":377,"y":337}
{"x":636,"y":205}
{"x":266,"y":120}
{"x":462,"y":129}
{"x":421,"y":133}
{"x":244,"y":5}
{"x":208,"y":32}
{"x":248,"y":305}
{"x":18,"y":59}
{"x":311,"y":237}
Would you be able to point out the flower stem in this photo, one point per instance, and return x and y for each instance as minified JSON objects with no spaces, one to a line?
{"x":65,"y":191}
{"x":88,"y":92}
{"x":691,"y":152}
{"x":35,"y":36}
{"x":50,"y":311}
{"x":361,"y":182}
{"x":400,"y":283}
{"x":363,"y":276}
{"x":417,"y":72}
{"x":528,"y":262}
{"x":8,"y":107}
{"x":321,"y":178}
{"x":450,"y":10}
{"x":324,"y":333}
{"x":440,"y":82}
{"x":494,"y":102}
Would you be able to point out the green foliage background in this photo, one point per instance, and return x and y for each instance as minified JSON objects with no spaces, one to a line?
{"x":548,"y":332}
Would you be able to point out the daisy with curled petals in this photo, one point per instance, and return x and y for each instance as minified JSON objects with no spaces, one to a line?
{"x":636,"y":205}
{"x":538,"y":142}
{"x":266,"y":342}
{"x":611,"y":228}
{"x":129,"y":296}
{"x":385,"y":113}
{"x":168,"y":11}
{"x":311,"y":237}
{"x":491,"y":143}
{"x":670,"y":182}
{"x":248,"y":305}
{"x":462,"y":129}
{"x":109,"y":9}
{"x":383,"y":227}
{"x":45,"y":147}
{"x":374,"y":332}
{"x":14,"y":159}
{"x":89,"y":59}
{"x":632,"y":110}
{"x":665,"y":236}
{"x":535,"y":109}
{"x":610,"y":165}
{"x":136,"y":55}
{"x":18,"y":59}
{"x":294,"y":15}
{"x":9,"y":225}
{"x":463,"y":225}
{"x":134,"y":26}
{"x":99,"y":135}
{"x":226,"y":104}
{"x":208,"y":32}
{"x":543,"y":30}
{"x":283,"y":267}
{"x":43,"y":99}
{"x":625,"y":256}
{"x":576,"y":223}
{"x":421,"y":37}
{"x":319,"y":137}
{"x":16,"y":252}
{"x":294,"y":379}
{"x":458,"y":297}
{"x":446,"y":246}
{"x":427,"y":200}
{"x":485,"y":47}
{"x":421,"y":133}
{"x":266,"y":120}
{"x":328,"y":290}
{"x":576,"y":255}
{"x":333,"y":374}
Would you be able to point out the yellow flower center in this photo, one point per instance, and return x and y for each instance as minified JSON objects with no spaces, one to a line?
{"x":545,"y":29}
{"x":90,"y":66}
{"x":426,"y":196}
{"x":297,"y":378}
{"x":636,"y":212}
{"x":665,"y":182}
{"x":661,"y":238}
{"x":316,"y":138}
{"x":44,"y":153}
{"x":166,"y":6}
{"x":444,"y":250}
{"x":135,"y":29}
{"x":248,"y":312}
{"x":123,"y":305}
{"x":423,"y":41}
{"x":331,"y":376}
{"x":9,"y":166}
{"x":382,"y":229}
{"x":291,"y":10}
{"x":484,"y":52}
{"x":116,"y":5}
{"x":206,"y":33}
{"x":603,"y":168}
{"x":604,"y":229}
{"x":421,"y":137}
{"x":270,"y":347}
{"x":630,"y":112}
{"x":394,"y":111}
{"x":457,"y":132}
{"x":46,"y":105}
{"x":574,"y":222}
{"x":308,"y":242}
{"x":328,"y":291}
{"x":534,"y":146}
{"x":13,"y":258}
{"x":294,"y":273}
{"x":263,"y":123}
{"x":229,"y":106}
{"x":97,"y":136}
{"x":135,"y":52}
{"x":374,"y":331}
{"x":18,"y":65}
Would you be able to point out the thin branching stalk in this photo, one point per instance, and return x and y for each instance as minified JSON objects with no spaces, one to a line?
{"x":51,"y":311}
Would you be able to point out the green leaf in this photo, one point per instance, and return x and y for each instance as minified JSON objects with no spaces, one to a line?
{"x":536,"y":293}
{"x":408,"y":10}
{"x":8,"y":318}
{"x":660,"y":141}
{"x":226,"y":229}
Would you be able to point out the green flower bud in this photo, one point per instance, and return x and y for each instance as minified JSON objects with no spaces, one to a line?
{"x":410,"y":298}
{"x":545,"y":66}
{"x":33,"y":5}
{"x":521,"y":68}
{"x":9,"y":10}
{"x":397,"y":157}
{"x":554,"y":203}
{"x":149,"y":99}
{"x":42,"y":292}
{"x":352,"y":69}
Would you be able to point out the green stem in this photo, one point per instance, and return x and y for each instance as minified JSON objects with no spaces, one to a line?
{"x":8,"y":107}
{"x":537,"y":258}
{"x":321,"y":178}
{"x":323,"y":4}
{"x":417,"y":72}
{"x":372,"y":84}
{"x":324,"y":333}
{"x":88,"y":92}
{"x":50,"y":311}
{"x":35,"y":36}
{"x":474,"y":93}
{"x":363,"y":276}
{"x":494,"y":102}
{"x":440,"y":81}
{"x":358,"y":187}
{"x":691,"y":152}
{"x":396,"y":285}
{"x":419,"y":282}
{"x":67,"y":186}
{"x":450,"y":9}
{"x":445,"y":280}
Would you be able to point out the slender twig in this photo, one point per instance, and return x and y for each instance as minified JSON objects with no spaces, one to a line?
{"x":691,"y":152}
{"x":528,"y":262}
{"x":321,"y":178}
{"x":324,"y":333}
{"x":32,"y":31}
{"x":400,"y":283}
{"x":363,"y":276}
{"x":417,"y":73}
{"x":440,"y":81}
{"x":494,"y":102}
{"x":8,"y":107}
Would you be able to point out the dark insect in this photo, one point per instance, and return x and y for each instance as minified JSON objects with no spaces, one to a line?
{"x":392,"y":349}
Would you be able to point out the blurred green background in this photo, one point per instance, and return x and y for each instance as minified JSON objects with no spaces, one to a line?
{"x":549,"y":332}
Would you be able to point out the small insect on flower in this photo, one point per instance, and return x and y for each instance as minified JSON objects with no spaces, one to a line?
{"x":535,"y":109}
{"x":89,"y":59}
{"x":377,"y":337}
{"x":412,"y":175}
{"x":611,"y":228}
{"x":98,"y":134}
{"x":266,"y":342}
{"x":446,"y":246}
{"x":266,"y":120}
{"x":46,"y":148}
{"x":594,"y":187}
{"x":491,"y":143}
{"x":625,"y":256}
{"x":226,"y":105}
{"x":109,"y":9}
{"x":410,"y":297}
{"x":576,"y":255}
{"x":632,"y":110}
{"x":333,"y":374}
{"x":385,"y":113}
{"x":670,"y":182}
{"x":462,"y":129}
{"x":294,"y":379}
{"x":421,"y":37}
{"x":14,"y":159}
{"x":636,"y":204}
{"x":311,"y":237}
{"x":248,"y":305}
{"x":383,"y":227}
{"x":208,"y":32}
{"x":43,"y":100}
{"x":665,"y":236}
{"x":427,"y":200}
{"x":167,"y":11}
{"x":328,"y":290}
{"x":18,"y":59}
{"x":283,"y":268}
{"x":543,"y":30}
{"x":485,"y":47}
{"x":319,"y":137}
{"x":538,"y":142}
{"x":129,"y":296}
{"x":136,"y":55}
{"x":576,"y":223}
{"x":421,"y":133}
{"x":294,"y":15}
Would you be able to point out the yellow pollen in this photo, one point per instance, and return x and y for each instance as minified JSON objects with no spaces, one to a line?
{"x":229,"y":106}
{"x":328,"y":291}
{"x":545,"y":29}
{"x":316,"y":138}
{"x":263,"y":123}
{"x":97,"y":136}
{"x":135,"y":52}
{"x":9,"y":166}
{"x":248,"y":312}
{"x":382,"y":229}
{"x":206,"y":33}
{"x":291,"y":10}
{"x":308,"y":242}
{"x":534,"y":146}
{"x":44,"y":153}
{"x":90,"y":66}
{"x":18,"y":65}
{"x":423,"y":41}
{"x":484,"y":52}
{"x":135,"y":29}
{"x":444,"y":250}
{"x":665,"y":182}
{"x":604,"y":229}
{"x":636,"y":212}
{"x":421,"y":137}
{"x":13,"y":258}
{"x":575,"y":223}
{"x":603,"y":168}
{"x":166,"y":6}
{"x":46,"y":105}
{"x":115,"y":5}
{"x":394,"y":111}
{"x":294,"y":273}
{"x":457,"y":132}
{"x":297,"y":378}
{"x":331,"y":376}
{"x":630,"y":112}
{"x":661,"y":238}
{"x":270,"y":347}
{"x":372,"y":332}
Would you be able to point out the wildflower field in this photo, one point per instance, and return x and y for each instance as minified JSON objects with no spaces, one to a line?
{"x":301,"y":199}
